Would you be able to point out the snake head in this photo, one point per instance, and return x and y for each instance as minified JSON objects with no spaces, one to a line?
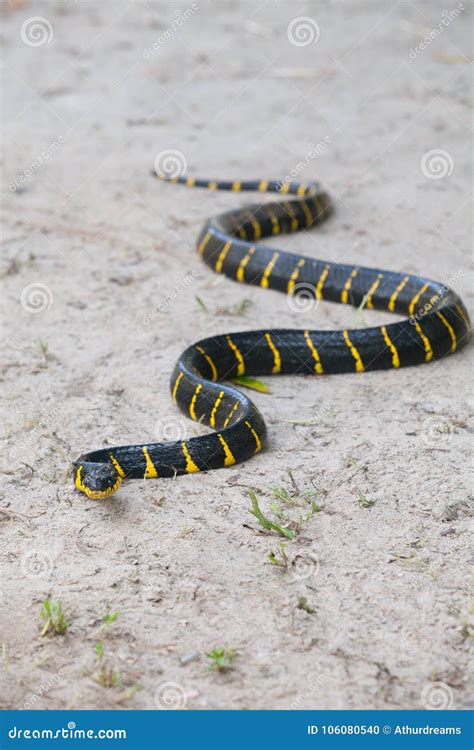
{"x":96,"y":480}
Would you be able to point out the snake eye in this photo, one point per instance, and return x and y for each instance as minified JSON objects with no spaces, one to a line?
{"x":97,"y":480}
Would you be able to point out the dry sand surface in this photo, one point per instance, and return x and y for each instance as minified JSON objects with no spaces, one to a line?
{"x":373,"y":608}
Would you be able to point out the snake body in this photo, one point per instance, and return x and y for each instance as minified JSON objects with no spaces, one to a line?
{"x":436,"y":325}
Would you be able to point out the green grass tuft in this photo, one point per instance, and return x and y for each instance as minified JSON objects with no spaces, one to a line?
{"x":221,"y":659}
{"x":106,"y":675}
{"x":303,"y":604}
{"x":265,"y":522}
{"x":365,"y":502}
{"x":55,"y":622}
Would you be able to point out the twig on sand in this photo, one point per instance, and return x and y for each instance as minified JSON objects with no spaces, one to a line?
{"x":23,"y":516}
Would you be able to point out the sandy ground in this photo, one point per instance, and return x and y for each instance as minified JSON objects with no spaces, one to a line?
{"x":373,"y":609}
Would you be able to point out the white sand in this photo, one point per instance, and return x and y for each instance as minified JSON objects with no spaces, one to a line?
{"x":390,"y":589}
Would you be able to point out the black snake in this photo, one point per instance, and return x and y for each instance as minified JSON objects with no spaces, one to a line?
{"x":437,"y":325}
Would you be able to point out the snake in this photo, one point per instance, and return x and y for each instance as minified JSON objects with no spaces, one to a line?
{"x":435,"y":324}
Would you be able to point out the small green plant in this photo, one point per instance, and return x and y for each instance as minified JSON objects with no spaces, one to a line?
{"x":303,"y":604}
{"x":221,"y":659}
{"x":295,"y":524}
{"x":200,"y":303}
{"x":284,"y":495}
{"x":252,"y":383}
{"x":55,"y":622}
{"x":292,"y":496}
{"x":107,"y":620}
{"x":184,"y":531}
{"x":467,"y":631}
{"x":128,"y":693}
{"x":280,"y":558}
{"x":236,"y":310}
{"x":106,"y":675}
{"x":365,"y":502}
{"x":287,"y":500}
{"x":265,"y":522}
{"x":43,"y":349}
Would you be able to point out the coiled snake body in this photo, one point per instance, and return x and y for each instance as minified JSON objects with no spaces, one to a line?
{"x":437,"y":324}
